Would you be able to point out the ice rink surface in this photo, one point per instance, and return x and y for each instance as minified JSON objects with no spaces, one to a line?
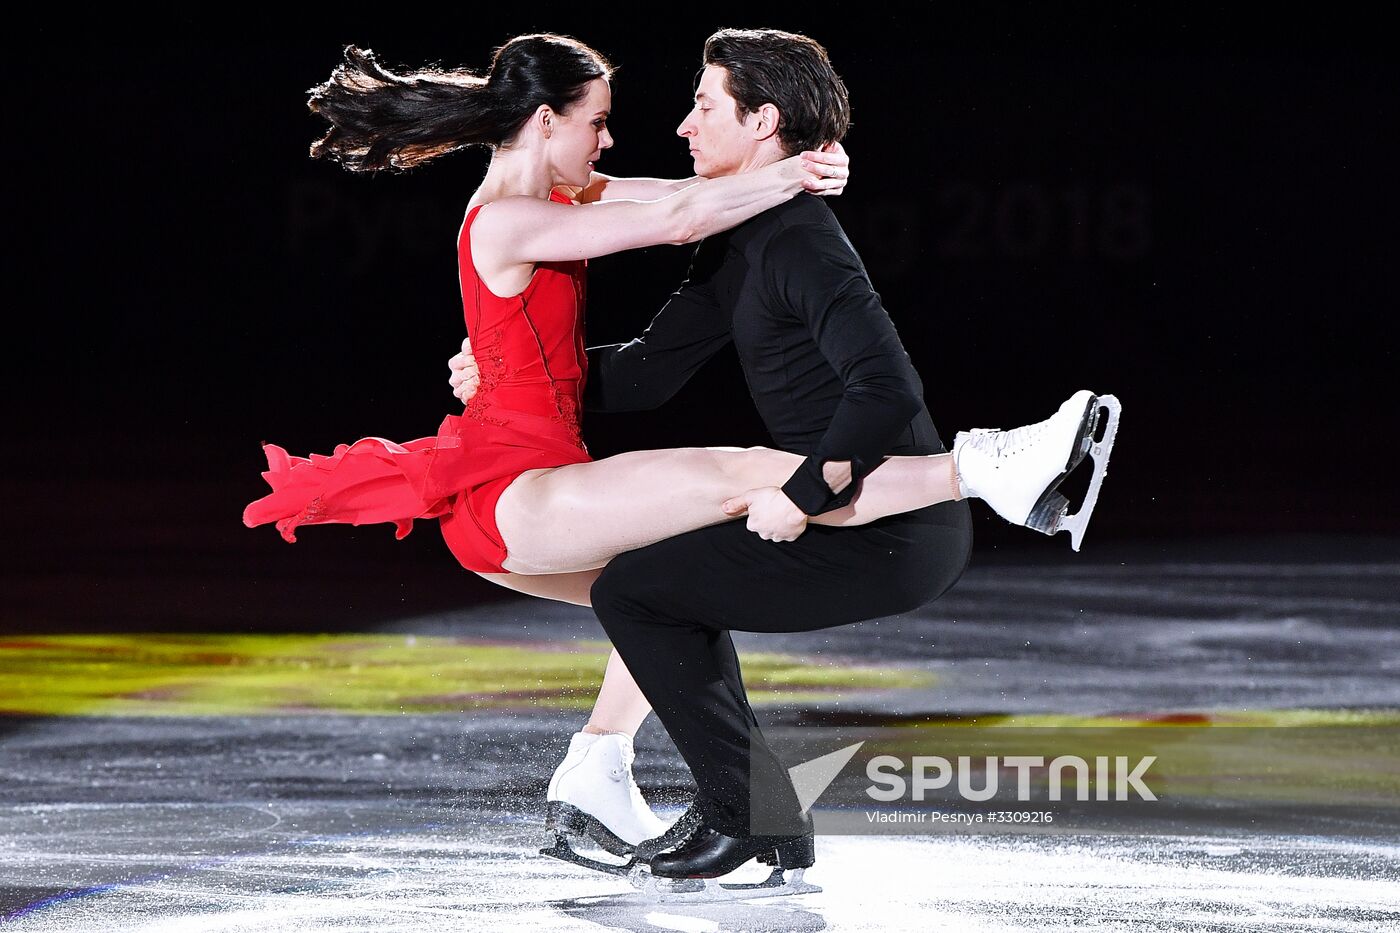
{"x":430,"y":822}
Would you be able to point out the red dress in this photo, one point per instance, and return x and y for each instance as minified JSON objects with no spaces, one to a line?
{"x":525,"y":416}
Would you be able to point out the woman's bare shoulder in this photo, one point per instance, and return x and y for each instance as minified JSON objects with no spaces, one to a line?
{"x":515,"y":212}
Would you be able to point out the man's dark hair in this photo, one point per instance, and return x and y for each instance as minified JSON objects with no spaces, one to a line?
{"x":789,"y":71}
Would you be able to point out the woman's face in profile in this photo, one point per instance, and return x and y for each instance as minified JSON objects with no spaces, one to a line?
{"x":581,"y":135}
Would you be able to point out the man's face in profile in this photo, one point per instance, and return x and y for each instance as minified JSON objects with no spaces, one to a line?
{"x":719,"y":143}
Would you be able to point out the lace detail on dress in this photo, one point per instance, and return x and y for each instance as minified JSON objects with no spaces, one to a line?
{"x":491,"y":365}
{"x":567,"y":407}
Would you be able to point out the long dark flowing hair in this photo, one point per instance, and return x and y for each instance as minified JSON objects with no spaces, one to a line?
{"x":381,"y":119}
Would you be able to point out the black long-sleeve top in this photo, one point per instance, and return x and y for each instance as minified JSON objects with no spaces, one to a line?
{"x":824,"y":365}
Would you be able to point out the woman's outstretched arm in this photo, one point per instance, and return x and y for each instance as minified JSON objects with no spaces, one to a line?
{"x":611,"y":188}
{"x":521,"y":229}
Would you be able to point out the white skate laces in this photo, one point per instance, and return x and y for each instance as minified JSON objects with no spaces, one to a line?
{"x":623,"y":766}
{"x":623,"y":771}
{"x":997,"y":446}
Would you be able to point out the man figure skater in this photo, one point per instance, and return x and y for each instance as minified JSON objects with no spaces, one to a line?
{"x":831,"y":380}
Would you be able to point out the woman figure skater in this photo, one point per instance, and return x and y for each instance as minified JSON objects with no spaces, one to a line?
{"x":518,"y":498}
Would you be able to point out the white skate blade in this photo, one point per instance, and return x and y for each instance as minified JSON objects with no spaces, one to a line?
{"x":711,"y":890}
{"x":1076,"y":523}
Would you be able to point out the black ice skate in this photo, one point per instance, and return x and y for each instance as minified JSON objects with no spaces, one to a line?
{"x":691,"y":871}
{"x":566,"y":822}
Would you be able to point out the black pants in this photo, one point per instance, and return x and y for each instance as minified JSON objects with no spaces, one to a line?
{"x":669,"y":609}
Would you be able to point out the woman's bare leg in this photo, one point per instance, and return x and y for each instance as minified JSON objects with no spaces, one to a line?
{"x":620,"y":706}
{"x":900,"y":484}
{"x":562,"y":587}
{"x":580,"y":516}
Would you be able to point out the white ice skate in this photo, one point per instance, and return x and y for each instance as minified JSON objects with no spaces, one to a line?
{"x":1017,"y":472}
{"x":593,"y":794}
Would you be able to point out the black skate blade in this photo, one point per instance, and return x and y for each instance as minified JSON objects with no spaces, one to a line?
{"x":567,"y":819}
{"x":1088,"y":427}
{"x":1051,"y":513}
{"x":565,"y":853}
{"x":680,"y":831}
{"x":1050,"y":509}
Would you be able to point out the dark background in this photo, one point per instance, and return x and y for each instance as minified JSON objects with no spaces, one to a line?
{"x":1193,"y":210}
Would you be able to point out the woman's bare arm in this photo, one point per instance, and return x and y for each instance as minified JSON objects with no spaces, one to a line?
{"x":609,"y":188}
{"x":612,"y":188}
{"x":521,"y":229}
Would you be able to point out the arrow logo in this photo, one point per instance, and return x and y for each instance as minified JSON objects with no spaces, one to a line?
{"x":811,"y":778}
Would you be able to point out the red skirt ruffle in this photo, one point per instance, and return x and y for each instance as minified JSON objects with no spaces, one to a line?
{"x":458,"y":474}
